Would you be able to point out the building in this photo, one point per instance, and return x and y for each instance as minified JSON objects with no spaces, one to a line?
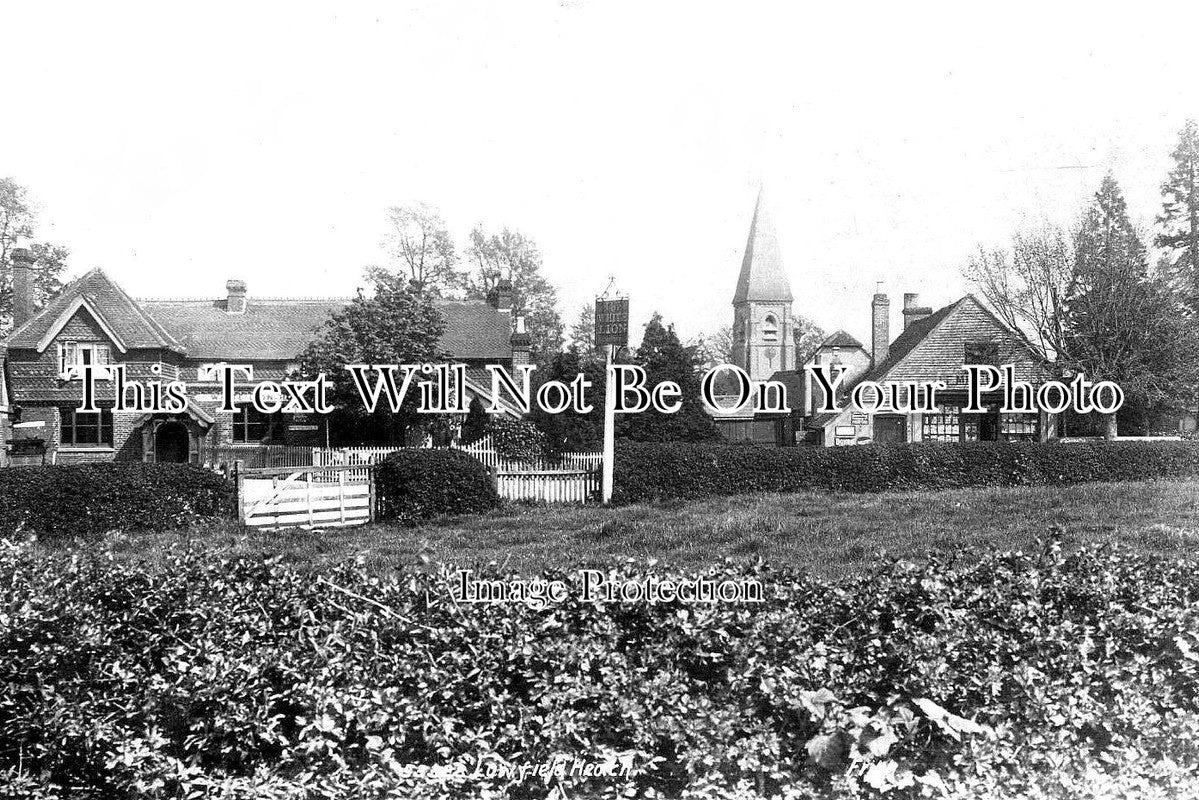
{"x":763,"y":330}
{"x":94,"y":321}
{"x":933,"y":346}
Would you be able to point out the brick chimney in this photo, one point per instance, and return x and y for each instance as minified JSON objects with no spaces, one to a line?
{"x":236,"y":302}
{"x":912,"y":310}
{"x":520,"y":342}
{"x":880,"y":327}
{"x":500,"y":296}
{"x":22,"y":286}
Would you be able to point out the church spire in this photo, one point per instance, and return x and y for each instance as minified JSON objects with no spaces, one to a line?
{"x":762,"y":277}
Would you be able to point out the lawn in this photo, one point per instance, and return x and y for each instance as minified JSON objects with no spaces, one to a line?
{"x":833,"y":535}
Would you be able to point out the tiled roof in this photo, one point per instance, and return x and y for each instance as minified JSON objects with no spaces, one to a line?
{"x":793,"y":380}
{"x":475,"y":331}
{"x":268,"y":330}
{"x":121,"y":313}
{"x":762,"y":276}
{"x":841,"y":339}
{"x":907,"y":341}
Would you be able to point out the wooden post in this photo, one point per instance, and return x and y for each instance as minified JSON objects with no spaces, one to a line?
{"x":241,"y":495}
{"x":609,"y":426}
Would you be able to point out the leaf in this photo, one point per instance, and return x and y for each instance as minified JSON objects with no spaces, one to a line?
{"x":827,"y":750}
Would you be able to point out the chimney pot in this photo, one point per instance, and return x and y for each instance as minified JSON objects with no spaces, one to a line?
{"x":880,"y":328}
{"x":500,"y":296}
{"x":235,"y":303}
{"x":913,"y":312}
{"x":22,"y":286}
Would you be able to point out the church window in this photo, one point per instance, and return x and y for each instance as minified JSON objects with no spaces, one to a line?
{"x":770,"y":329}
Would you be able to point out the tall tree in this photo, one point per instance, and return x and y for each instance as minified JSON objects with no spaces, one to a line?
{"x":716,"y":347}
{"x":512,"y":255}
{"x":570,"y":431}
{"x":393,"y":324}
{"x":1123,"y":322}
{"x":18,"y":222}
{"x":420,"y":245}
{"x":1179,"y":220}
{"x":665,"y":358}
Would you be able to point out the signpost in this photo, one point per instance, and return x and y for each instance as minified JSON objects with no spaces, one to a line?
{"x":611,"y":331}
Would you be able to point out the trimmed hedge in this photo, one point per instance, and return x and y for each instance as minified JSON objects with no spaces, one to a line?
{"x":420,"y":484}
{"x":661,"y":471}
{"x":92,"y":499}
{"x":1031,"y":676}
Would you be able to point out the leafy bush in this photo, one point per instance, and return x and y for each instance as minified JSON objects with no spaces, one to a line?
{"x":419,"y":484}
{"x":646,"y":471}
{"x":516,"y":439}
{"x":1028,"y":675}
{"x":92,"y":499}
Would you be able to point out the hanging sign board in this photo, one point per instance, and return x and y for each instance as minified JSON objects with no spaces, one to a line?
{"x":612,"y":322}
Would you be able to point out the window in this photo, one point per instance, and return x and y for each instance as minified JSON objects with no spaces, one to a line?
{"x":770,"y":329}
{"x":80,"y":429}
{"x":981,"y":353}
{"x":945,"y":426}
{"x":1019,"y":427}
{"x":250,"y":425}
{"x":79,"y":354}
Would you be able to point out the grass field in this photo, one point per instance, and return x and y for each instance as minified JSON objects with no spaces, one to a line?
{"x":830,"y":534}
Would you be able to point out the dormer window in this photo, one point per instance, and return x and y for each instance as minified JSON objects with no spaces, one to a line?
{"x":81,"y":354}
{"x":770,"y":329}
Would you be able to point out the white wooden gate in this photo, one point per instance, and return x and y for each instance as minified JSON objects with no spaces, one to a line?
{"x":551,"y":486}
{"x":314,"y":497}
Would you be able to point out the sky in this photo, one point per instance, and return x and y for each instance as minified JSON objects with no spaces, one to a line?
{"x":179,"y":145}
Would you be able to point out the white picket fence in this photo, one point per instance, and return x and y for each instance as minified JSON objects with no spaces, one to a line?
{"x":552,"y":486}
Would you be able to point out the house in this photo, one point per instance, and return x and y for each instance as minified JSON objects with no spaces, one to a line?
{"x":933,"y":346}
{"x":94,"y":321}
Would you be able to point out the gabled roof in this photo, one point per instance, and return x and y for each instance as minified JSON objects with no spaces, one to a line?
{"x":909,"y":340}
{"x":116,"y":312}
{"x":841,"y":339}
{"x":762,"y":277}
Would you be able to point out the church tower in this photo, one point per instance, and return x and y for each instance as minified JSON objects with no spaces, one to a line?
{"x":762,"y":325}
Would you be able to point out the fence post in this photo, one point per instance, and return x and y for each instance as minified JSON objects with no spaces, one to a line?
{"x":241,"y":495}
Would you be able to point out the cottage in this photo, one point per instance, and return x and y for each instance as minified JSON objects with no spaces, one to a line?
{"x":933,"y":347}
{"x":94,"y":321}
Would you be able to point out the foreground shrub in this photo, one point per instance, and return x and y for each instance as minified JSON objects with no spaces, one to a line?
{"x":425,"y":483}
{"x":1028,"y":675}
{"x":658,"y":471}
{"x":92,"y":499}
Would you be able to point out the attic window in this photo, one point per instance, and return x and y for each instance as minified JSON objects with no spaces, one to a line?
{"x":770,"y":329}
{"x":981,"y":353}
{"x":80,"y":354}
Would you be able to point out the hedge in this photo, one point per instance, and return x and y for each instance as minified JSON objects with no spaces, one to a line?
{"x":1029,"y":675}
{"x":92,"y":499}
{"x":420,"y":484}
{"x":665,"y":471}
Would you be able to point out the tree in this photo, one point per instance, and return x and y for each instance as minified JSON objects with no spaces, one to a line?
{"x":1026,"y":287}
{"x":1123,"y":322}
{"x":716,"y":347}
{"x":665,"y":358}
{"x":418,"y":241}
{"x":474,"y":427}
{"x":395,"y":324}
{"x":1179,"y":220}
{"x":512,"y":255}
{"x":18,"y":222}
{"x":582,"y":333}
{"x":808,"y":336}
{"x":571,"y":431}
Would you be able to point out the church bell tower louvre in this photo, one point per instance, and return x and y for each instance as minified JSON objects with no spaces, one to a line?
{"x":762,"y":323}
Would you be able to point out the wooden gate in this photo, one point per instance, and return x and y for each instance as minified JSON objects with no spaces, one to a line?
{"x":313,"y":497}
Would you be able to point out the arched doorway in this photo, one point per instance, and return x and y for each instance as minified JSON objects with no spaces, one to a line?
{"x":172,"y":443}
